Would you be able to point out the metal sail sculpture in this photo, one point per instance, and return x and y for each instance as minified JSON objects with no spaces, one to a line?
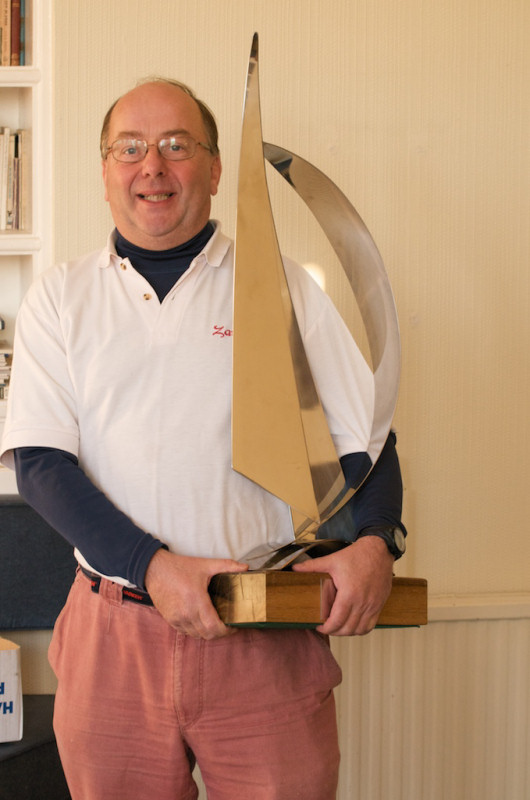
{"x":280,"y":436}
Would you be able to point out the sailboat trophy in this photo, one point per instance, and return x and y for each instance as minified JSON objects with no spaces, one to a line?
{"x":280,"y":436}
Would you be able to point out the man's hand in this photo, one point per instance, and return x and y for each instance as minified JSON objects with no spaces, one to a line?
{"x":178,"y":586}
{"x":362,"y":577}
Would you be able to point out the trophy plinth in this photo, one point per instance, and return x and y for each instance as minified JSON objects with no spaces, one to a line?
{"x":277,"y":598}
{"x":270,"y":597}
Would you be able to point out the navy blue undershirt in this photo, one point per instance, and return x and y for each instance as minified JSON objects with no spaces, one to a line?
{"x":51,"y":481}
{"x":163,"y":268}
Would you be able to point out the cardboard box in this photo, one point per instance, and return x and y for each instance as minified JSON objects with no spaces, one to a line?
{"x":10,"y":692}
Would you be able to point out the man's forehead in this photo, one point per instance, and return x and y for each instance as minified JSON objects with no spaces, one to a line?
{"x":154,"y":104}
{"x":136,"y":133}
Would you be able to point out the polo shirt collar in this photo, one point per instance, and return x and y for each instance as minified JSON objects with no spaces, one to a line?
{"x":213,"y":254}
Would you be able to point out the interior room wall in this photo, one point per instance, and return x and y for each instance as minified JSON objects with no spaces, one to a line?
{"x":418,"y":111}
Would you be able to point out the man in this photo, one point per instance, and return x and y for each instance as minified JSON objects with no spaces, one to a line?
{"x":119,"y":428}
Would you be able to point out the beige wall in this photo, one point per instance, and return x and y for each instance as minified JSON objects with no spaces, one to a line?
{"x":419,"y":111}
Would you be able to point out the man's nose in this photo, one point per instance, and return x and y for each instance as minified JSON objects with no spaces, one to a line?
{"x":153,"y":161}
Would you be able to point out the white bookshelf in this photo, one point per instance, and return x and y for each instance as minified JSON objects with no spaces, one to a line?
{"x":26,"y":102}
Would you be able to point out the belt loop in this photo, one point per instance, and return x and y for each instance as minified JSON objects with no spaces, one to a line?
{"x":107,"y":589}
{"x":113,"y":592}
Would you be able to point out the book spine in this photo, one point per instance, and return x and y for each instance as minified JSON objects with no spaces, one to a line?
{"x":24,"y":180}
{"x":16,"y":194}
{"x":5,"y":30}
{"x":22,"y":38}
{"x":4,"y":160}
{"x":15,"y":33}
{"x":10,"y":207}
{"x":6,"y":359}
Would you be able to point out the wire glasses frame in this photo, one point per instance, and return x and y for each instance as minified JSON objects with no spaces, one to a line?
{"x":172,"y":148}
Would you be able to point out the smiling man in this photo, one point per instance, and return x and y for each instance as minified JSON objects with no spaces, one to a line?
{"x":156,"y":202}
{"x":119,"y":429}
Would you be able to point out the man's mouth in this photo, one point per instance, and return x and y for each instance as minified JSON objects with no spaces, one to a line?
{"x":157,"y":198}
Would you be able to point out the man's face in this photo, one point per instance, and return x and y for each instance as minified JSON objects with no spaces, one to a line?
{"x":155,"y":203}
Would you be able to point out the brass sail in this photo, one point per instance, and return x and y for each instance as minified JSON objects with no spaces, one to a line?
{"x":280,"y":436}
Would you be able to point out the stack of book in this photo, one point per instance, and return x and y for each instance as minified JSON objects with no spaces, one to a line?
{"x":14,"y":179}
{"x":6,"y":357}
{"x":12,"y":33}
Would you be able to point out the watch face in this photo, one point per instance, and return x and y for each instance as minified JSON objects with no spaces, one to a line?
{"x":399,"y":539}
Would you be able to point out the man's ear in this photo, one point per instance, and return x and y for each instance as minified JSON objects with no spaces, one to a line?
{"x":104,"y":174}
{"x":215,"y":174}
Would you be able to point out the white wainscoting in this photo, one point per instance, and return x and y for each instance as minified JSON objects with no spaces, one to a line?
{"x":440,"y":712}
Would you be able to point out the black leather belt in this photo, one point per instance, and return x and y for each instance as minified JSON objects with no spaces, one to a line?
{"x":134,"y":595}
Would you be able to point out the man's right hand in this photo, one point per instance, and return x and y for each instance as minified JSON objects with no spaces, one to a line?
{"x":178,"y":586}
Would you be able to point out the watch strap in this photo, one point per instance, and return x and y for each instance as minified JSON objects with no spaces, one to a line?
{"x":392,"y":536}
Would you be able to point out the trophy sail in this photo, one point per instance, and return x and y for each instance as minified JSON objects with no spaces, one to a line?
{"x":280,"y":436}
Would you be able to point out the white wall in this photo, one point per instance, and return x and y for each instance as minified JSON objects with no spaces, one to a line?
{"x":419,"y":111}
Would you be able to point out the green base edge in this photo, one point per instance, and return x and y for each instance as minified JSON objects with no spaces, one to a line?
{"x":298,"y":625}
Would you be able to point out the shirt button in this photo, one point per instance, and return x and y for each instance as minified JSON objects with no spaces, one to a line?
{"x":147,"y":296}
{"x":123,"y":265}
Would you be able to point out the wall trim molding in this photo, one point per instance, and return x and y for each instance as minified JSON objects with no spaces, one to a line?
{"x":458,"y":607}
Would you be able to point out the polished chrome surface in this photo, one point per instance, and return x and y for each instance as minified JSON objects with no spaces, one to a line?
{"x":280,"y":436}
{"x":363,"y":265}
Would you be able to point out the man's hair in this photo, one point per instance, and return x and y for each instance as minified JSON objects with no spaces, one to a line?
{"x":206,"y":114}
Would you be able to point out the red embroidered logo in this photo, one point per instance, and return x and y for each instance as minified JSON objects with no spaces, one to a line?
{"x":220,"y":330}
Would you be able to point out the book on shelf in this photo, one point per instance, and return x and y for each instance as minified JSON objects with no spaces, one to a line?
{"x":15,"y":172}
{"x":5,"y":33}
{"x":15,"y":34}
{"x":6,"y":358}
{"x":4,"y":388}
{"x":12,"y":33}
{"x":4,"y":159}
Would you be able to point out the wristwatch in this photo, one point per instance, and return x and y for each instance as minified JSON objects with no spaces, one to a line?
{"x":392,"y":536}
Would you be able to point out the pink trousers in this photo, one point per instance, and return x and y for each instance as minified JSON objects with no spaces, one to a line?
{"x":138,"y":704}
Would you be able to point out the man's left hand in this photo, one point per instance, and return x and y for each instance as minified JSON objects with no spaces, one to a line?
{"x":362,"y":577}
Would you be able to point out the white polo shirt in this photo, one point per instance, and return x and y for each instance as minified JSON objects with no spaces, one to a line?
{"x":140,"y":392}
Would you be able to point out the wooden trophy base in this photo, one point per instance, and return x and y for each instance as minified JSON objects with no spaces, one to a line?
{"x":276,"y":599}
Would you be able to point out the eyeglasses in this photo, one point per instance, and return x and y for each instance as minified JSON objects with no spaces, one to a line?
{"x":174,"y":148}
